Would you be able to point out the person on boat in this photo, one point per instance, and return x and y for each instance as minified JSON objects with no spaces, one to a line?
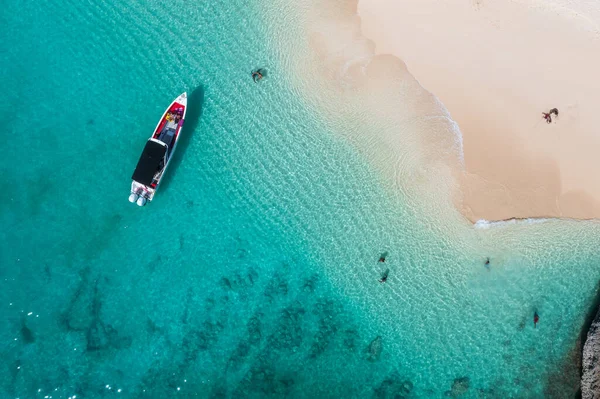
{"x":536,"y":318}
{"x":257,"y":75}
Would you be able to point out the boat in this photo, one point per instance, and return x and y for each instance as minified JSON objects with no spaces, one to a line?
{"x":158,"y":152}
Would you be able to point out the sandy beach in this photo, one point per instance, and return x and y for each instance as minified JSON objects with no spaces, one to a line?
{"x":496,"y":67}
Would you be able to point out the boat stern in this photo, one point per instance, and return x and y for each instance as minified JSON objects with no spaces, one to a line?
{"x":140,"y":193}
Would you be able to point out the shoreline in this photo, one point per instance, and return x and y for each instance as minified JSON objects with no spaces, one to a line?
{"x":516,"y":165}
{"x":586,"y":334}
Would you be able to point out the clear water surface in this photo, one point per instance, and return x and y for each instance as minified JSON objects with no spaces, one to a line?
{"x":254,"y":272}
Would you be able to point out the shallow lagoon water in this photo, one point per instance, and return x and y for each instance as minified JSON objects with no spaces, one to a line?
{"x":254,"y":272}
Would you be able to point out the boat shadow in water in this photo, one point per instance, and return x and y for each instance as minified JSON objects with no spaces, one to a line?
{"x":194,"y":113}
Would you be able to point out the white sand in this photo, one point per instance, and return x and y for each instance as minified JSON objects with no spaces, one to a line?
{"x":496,"y":66}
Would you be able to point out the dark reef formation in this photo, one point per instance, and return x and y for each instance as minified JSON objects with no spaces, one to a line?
{"x":374,"y":349}
{"x":393,"y":386}
{"x":590,"y":378}
{"x":460,"y":386}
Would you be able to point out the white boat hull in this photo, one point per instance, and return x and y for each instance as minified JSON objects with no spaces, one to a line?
{"x":157,"y":154}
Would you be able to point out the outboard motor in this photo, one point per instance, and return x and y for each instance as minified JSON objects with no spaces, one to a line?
{"x":133,"y":197}
{"x":141,"y":201}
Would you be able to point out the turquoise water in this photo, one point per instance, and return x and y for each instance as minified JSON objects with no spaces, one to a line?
{"x":254,"y":271}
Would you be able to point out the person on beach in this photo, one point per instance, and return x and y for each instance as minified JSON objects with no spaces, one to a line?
{"x":536,"y":318}
{"x":257,"y":75}
{"x":548,"y":115}
{"x":384,"y":277}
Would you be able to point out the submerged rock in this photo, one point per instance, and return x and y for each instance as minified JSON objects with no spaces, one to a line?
{"x":460,"y":386}
{"x":311,"y":283}
{"x":393,"y":387}
{"x":590,"y":378}
{"x":374,"y":349}
{"x":350,"y":338}
{"x":289,"y":334}
{"x":26,"y":333}
{"x":264,"y":381}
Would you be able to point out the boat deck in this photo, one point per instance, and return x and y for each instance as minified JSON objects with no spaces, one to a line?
{"x":169,"y":126}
